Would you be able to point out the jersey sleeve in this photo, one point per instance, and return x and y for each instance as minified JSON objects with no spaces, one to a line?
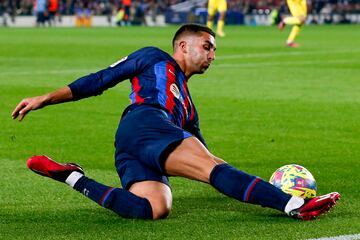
{"x":126,"y":68}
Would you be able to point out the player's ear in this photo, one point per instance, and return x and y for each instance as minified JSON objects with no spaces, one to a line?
{"x":183,"y":46}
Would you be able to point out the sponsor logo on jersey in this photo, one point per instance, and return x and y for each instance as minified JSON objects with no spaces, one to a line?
{"x":120,"y":61}
{"x":175,"y":90}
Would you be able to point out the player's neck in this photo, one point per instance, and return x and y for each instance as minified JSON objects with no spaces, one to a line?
{"x":180,"y":60}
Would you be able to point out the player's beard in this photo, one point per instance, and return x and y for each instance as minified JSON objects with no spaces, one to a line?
{"x":201,"y":65}
{"x":199,"y":62}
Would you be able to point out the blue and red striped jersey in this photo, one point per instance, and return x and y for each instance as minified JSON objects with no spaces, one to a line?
{"x":155,"y":78}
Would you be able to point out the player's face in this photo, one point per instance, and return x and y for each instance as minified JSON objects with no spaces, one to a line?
{"x":201,"y":52}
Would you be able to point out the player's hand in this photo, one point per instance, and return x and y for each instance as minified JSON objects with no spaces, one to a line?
{"x":26,"y":105}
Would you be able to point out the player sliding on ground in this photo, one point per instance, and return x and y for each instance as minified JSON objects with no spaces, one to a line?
{"x":159,"y":136}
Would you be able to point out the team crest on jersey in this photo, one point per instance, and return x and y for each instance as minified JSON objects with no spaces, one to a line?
{"x":120,"y":61}
{"x":175,"y":90}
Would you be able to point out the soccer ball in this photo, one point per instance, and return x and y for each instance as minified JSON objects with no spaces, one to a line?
{"x":295,"y":180}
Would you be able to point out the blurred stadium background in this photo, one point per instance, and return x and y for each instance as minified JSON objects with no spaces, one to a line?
{"x":23,"y":13}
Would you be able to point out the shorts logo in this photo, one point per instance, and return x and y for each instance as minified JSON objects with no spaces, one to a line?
{"x":116,"y":63}
{"x":175,"y":90}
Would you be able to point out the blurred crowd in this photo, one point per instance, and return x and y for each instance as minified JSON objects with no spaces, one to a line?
{"x":135,"y":10}
{"x":314,"y":6}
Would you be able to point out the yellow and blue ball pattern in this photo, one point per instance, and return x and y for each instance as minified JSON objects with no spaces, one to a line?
{"x":295,"y":180}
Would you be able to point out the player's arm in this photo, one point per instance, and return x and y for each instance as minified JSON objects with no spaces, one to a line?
{"x":197,"y":133}
{"x":26,"y":105}
{"x":96,"y":83}
{"x":90,"y":85}
{"x":126,"y":68}
{"x":194,"y":129}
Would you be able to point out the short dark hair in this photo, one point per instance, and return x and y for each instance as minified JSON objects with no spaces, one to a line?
{"x":191,"y":28}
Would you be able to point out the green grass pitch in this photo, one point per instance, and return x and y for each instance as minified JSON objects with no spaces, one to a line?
{"x":261,"y":106}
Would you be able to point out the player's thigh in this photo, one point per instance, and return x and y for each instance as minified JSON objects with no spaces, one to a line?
{"x":191,"y":160}
{"x":158,"y":194}
{"x":222,"y":6}
{"x":147,"y":135}
{"x":294,"y":7}
{"x":212,"y":8}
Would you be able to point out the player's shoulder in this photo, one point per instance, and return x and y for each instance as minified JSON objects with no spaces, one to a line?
{"x":151,"y":52}
{"x":149,"y":56}
{"x":143,"y":58}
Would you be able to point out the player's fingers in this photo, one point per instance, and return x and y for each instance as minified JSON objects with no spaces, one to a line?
{"x":18,"y":108}
{"x":23,"y":112}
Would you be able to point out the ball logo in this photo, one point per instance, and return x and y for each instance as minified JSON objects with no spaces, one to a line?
{"x":175,"y":90}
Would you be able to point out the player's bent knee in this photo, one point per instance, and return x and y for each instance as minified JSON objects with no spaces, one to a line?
{"x":161,"y":212}
{"x":302,"y":20}
{"x":158,"y":194}
{"x":161,"y":206}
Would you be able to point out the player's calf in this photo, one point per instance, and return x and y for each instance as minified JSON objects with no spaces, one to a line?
{"x":120,"y":201}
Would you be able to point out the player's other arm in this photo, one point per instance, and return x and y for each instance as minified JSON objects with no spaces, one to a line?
{"x":194,"y":129}
{"x":26,"y":105}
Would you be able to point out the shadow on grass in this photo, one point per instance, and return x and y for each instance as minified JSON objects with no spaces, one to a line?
{"x":193,"y":217}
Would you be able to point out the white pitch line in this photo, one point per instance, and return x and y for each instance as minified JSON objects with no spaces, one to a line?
{"x":287,"y":53}
{"x":232,"y":65}
{"x":341,"y":237}
{"x":223,"y":65}
{"x":37,"y":72}
{"x":236,"y":56}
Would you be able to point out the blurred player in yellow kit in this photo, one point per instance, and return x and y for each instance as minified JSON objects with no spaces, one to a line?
{"x":298,"y":9}
{"x":213,"y":7}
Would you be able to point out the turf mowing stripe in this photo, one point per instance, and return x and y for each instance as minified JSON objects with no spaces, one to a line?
{"x":66,"y":71}
{"x":287,"y":53}
{"x":229,"y":65}
{"x":341,"y":237}
{"x":71,"y":71}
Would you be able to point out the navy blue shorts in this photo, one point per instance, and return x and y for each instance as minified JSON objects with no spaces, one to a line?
{"x":144,"y":139}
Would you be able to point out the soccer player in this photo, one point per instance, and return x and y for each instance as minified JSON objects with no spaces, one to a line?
{"x":159,"y":136}
{"x":298,"y":9}
{"x":213,"y":7}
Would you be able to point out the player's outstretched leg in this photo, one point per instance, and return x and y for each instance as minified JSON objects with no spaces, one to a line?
{"x":252,"y":189}
{"x":192,"y":160}
{"x":121,"y":201}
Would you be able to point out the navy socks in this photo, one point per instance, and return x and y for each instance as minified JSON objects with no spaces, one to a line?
{"x":225,"y":178}
{"x":247,"y":188}
{"x":121,"y":201}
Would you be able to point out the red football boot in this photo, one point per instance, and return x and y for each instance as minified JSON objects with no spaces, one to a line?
{"x":316,"y":206}
{"x":47,"y":167}
{"x":292,"y":44}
